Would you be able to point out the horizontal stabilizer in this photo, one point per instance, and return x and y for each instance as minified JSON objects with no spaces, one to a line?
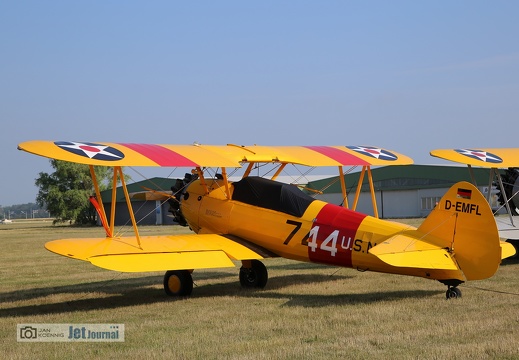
{"x":507,"y":250}
{"x":407,"y":251}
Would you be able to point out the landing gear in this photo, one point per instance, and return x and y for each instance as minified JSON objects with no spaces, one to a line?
{"x":453,"y":292}
{"x":452,"y":288}
{"x":253,"y":274}
{"x":178,"y":283}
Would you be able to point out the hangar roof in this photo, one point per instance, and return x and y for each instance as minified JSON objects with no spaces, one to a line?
{"x":406,"y":177}
{"x":156,"y":183}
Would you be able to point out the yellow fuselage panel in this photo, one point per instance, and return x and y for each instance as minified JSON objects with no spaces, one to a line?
{"x":283,"y":234}
{"x":207,"y":212}
{"x":325,"y":233}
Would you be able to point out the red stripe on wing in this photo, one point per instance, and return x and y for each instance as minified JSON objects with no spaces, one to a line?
{"x":340,"y":156}
{"x":161,"y":155}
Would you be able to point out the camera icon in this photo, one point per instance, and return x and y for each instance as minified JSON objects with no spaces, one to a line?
{"x":28,"y":332}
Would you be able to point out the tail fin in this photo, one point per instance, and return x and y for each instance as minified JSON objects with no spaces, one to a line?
{"x":463,"y":222}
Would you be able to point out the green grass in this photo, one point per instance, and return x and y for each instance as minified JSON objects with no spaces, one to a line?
{"x":306,"y":310}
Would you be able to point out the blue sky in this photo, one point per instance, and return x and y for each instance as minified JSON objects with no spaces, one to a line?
{"x":410,"y":76}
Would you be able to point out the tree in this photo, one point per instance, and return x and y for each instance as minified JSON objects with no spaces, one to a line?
{"x":66,"y":191}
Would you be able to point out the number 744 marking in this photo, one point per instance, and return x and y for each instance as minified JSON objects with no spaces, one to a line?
{"x":329,"y":244}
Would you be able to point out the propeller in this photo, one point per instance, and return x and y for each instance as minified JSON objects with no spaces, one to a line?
{"x":178,"y":191}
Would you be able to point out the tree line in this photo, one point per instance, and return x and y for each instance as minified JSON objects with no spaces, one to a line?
{"x":63,"y":194}
{"x":23,"y":211}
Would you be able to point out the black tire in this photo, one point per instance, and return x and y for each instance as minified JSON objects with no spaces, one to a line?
{"x":254,"y":277}
{"x":453,"y":293}
{"x":178,"y":283}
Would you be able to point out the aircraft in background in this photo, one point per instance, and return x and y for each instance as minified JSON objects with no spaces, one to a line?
{"x":256,"y":217}
{"x":507,"y":180}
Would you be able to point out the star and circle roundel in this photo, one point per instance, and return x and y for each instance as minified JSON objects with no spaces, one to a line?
{"x":481,"y":155}
{"x":374,"y":152}
{"x":91,"y":150}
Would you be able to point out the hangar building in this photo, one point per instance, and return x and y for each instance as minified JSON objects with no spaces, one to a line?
{"x":402,"y":191}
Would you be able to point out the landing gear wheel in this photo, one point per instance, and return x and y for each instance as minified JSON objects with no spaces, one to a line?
{"x":254,"y":277}
{"x":178,"y":283}
{"x":453,"y":292}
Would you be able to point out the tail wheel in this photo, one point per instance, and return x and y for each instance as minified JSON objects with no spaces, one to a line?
{"x":452,"y":293}
{"x":254,"y":276}
{"x":178,"y":283}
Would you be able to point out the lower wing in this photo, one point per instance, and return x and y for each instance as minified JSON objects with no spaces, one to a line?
{"x":159,"y":253}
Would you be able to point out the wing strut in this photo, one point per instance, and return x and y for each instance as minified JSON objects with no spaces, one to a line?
{"x":202,"y":179}
{"x":118,"y":170}
{"x":99,"y":204}
{"x":372,"y":191}
{"x":248,"y":170}
{"x":343,"y":187}
{"x":114,"y":201}
{"x":494,"y":173}
{"x":226,"y":183}
{"x":280,"y":169}
{"x":359,"y":187}
{"x":502,"y":188}
{"x":371,"y":188}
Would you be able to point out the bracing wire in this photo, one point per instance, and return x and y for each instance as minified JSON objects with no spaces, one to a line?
{"x":125,"y":227}
{"x":491,"y":290}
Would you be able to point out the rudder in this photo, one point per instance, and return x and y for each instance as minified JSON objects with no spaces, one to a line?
{"x":463,"y":222}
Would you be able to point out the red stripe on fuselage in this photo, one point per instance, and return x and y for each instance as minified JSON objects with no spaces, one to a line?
{"x":161,"y":155}
{"x":338,"y":155}
{"x":335,"y":228}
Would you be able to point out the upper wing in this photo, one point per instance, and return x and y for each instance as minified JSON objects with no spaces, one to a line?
{"x":313,"y":155}
{"x":157,"y":253}
{"x":126,"y":154}
{"x":492,"y":158}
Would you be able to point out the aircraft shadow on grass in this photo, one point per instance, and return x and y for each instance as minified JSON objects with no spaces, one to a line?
{"x":511,"y":261}
{"x":144,"y":291}
{"x":114,"y":286}
{"x":316,"y":301}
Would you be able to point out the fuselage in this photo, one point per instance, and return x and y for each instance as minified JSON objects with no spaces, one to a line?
{"x":323,"y":233}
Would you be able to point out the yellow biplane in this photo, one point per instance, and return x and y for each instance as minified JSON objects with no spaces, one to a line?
{"x":494,"y":159}
{"x":256,"y":217}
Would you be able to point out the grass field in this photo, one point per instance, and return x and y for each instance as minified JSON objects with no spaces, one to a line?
{"x":306,"y":311}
